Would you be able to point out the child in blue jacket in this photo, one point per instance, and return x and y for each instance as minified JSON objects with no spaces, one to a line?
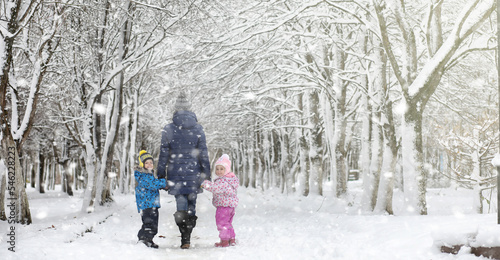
{"x":147,"y":197}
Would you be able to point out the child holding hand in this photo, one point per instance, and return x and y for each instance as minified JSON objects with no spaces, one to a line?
{"x":225,"y":199}
{"x":147,"y":197}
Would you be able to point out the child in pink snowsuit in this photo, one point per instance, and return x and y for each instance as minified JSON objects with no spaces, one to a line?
{"x":225,"y":199}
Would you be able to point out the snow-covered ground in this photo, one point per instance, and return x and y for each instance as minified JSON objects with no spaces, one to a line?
{"x":268,"y":225}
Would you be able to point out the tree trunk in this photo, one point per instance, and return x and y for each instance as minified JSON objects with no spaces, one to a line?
{"x":91,"y":162}
{"x":386,"y":185}
{"x":115,"y":119}
{"x":41,"y":173}
{"x":33,"y":176}
{"x":305,"y":166}
{"x":96,"y":172}
{"x":390,"y":149}
{"x":68,"y":173}
{"x":55,"y":173}
{"x":253,"y":159}
{"x":133,"y":137}
{"x":304,"y":159}
{"x":380,"y":95}
{"x":329,"y":120}
{"x":243,"y":150}
{"x":316,"y":145}
{"x":340,"y":124}
{"x":3,"y":187}
{"x":286,"y":163}
{"x":415,"y":174}
{"x":377,"y":152}
{"x":124,"y":174}
{"x":67,"y":176}
{"x":275,"y":158}
{"x":64,"y":161}
{"x":23,"y":214}
{"x":366,"y":148}
{"x":259,"y":157}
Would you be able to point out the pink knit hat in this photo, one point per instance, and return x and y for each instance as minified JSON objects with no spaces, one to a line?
{"x":225,"y":162}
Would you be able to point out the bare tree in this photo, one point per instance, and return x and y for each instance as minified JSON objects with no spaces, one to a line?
{"x":419,"y":84}
{"x":41,"y":23}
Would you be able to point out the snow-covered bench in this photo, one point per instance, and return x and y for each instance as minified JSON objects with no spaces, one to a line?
{"x":484,"y":241}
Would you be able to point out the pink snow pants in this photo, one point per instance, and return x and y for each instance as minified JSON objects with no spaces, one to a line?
{"x":224,"y":220}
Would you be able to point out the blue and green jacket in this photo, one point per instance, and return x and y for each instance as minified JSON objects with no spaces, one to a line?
{"x":147,"y":187}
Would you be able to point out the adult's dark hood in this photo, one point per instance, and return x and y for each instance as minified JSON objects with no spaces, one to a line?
{"x":185,"y":119}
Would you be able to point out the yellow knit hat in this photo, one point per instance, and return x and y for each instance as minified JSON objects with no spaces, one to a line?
{"x":143,"y":156}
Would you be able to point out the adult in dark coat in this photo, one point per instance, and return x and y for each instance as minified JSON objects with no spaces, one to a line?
{"x":185,"y":164}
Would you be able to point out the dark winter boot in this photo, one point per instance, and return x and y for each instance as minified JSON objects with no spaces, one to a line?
{"x":232,"y":242}
{"x":190,"y":224}
{"x":182,"y":219}
{"x":149,"y":243}
{"x":222,"y":243}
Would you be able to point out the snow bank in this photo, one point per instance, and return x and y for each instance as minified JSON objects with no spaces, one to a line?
{"x":450,"y":238}
{"x":487,"y":236}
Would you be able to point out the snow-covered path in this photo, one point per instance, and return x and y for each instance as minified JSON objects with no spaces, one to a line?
{"x":268,"y":225}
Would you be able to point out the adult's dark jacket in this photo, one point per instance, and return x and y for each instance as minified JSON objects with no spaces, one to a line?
{"x":184,"y":158}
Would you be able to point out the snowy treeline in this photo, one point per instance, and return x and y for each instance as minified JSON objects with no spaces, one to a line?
{"x":300,"y":93}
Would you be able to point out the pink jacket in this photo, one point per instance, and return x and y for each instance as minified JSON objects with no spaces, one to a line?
{"x":224,"y":190}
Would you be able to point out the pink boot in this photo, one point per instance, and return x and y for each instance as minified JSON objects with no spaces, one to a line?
{"x":232,"y":242}
{"x":222,"y":243}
